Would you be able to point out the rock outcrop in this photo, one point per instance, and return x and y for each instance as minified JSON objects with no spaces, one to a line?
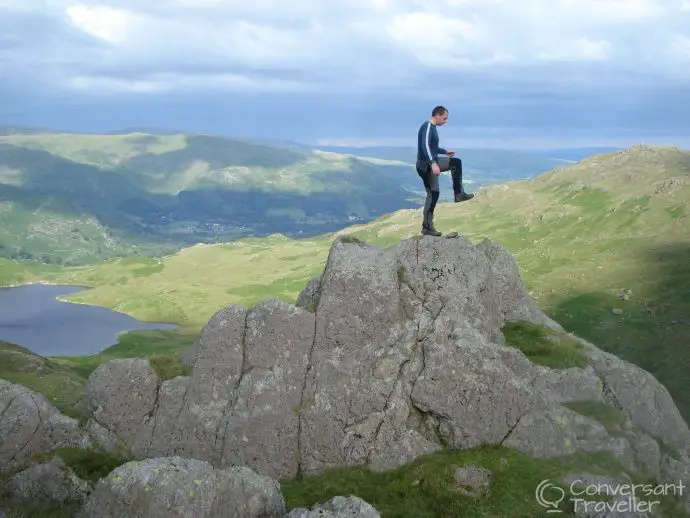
{"x":51,"y":483}
{"x":337,"y":507}
{"x":30,"y":425}
{"x":177,"y":487}
{"x":390,"y":354}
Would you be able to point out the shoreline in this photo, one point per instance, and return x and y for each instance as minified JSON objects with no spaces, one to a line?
{"x":45,"y":283}
{"x":62,"y":298}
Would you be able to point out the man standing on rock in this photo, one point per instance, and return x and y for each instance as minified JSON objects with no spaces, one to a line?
{"x":430,"y":166}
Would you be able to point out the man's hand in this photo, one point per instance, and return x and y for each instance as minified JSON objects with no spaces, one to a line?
{"x":450,"y":153}
{"x":436,"y":169}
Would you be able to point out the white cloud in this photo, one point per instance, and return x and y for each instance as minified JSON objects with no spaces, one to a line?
{"x":166,"y":83}
{"x":346,"y":45}
{"x":106,"y":23}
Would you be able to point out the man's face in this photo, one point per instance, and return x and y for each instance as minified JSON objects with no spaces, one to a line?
{"x":440,"y":120}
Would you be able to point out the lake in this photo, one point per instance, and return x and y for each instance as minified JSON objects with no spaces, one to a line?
{"x":31,"y":316}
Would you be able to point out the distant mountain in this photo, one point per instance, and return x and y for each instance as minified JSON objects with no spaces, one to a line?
{"x":73,"y":198}
{"x":574,"y":154}
{"x":22,"y":130}
{"x":481,"y":167}
{"x":69,"y":197}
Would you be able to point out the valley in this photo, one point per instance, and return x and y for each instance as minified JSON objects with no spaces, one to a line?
{"x":602,"y":245}
{"x":74,"y":199}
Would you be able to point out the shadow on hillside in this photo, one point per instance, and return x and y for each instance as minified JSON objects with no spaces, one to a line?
{"x":653,"y":330}
{"x":219,"y":153}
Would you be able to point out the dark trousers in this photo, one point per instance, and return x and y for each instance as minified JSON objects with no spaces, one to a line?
{"x":454,"y":165}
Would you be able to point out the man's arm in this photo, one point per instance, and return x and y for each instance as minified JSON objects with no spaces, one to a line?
{"x":431,"y":157}
{"x":442,"y":151}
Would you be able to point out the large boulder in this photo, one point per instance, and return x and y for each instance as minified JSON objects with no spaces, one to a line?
{"x":390,"y":354}
{"x":337,"y":507}
{"x":30,"y":425}
{"x":185,"y":488}
{"x":51,"y":483}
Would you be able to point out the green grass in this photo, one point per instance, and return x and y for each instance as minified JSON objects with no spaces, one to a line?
{"x":425,"y":488}
{"x":610,"y":417}
{"x":160,"y":346}
{"x":545,"y":346}
{"x":168,"y":366}
{"x":90,"y":465}
{"x":61,"y":379}
{"x":60,"y":384}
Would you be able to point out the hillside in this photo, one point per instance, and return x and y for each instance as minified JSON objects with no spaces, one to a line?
{"x":481,"y":167}
{"x":609,"y":233}
{"x":76,"y":198}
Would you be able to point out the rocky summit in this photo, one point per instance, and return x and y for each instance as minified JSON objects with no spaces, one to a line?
{"x":389,"y":355}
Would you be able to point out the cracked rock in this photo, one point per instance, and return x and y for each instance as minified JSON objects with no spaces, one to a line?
{"x":389,"y":354}
{"x":30,"y":425}
{"x":337,"y":507}
{"x":51,"y":483}
{"x":172,"y":487}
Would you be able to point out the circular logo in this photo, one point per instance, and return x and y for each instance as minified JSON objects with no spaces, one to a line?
{"x":549,"y":495}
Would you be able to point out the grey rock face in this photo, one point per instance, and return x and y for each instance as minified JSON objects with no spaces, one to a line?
{"x":677,"y":472}
{"x":401,"y":354}
{"x":51,"y":483}
{"x":513,"y":299}
{"x":646,"y":401}
{"x":129,"y":416}
{"x":338,"y":507}
{"x":29,"y":425}
{"x":309,"y":297}
{"x":176,"y":487}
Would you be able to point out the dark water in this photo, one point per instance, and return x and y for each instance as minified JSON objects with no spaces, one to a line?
{"x":32,"y":317}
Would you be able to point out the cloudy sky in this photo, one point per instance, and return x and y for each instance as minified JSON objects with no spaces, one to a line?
{"x":533,"y":73}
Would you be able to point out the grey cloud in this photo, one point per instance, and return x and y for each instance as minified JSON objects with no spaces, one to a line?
{"x":303,"y":118}
{"x":35,"y":30}
{"x":367,"y":89}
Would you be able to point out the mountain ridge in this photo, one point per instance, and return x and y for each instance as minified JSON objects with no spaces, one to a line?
{"x":154,"y":194}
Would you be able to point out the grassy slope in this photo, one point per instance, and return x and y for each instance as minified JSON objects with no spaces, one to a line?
{"x":580,"y":235}
{"x":61,"y":384}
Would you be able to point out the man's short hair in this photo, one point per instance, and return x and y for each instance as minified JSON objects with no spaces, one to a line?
{"x":439,"y":110}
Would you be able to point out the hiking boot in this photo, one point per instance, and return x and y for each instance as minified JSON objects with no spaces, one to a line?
{"x":463,"y":196}
{"x":429,"y":230}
